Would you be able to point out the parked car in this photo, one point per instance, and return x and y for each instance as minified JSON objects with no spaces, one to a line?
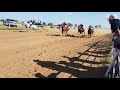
{"x":10,"y":22}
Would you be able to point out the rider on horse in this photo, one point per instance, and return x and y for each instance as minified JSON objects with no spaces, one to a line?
{"x":66,"y":28}
{"x":90,"y":30}
{"x":63,"y":26}
{"x":80,"y":28}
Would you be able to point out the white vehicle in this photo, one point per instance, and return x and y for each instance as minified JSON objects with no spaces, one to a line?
{"x":10,"y":22}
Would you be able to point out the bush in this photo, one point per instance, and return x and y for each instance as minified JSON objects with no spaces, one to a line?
{"x":50,"y":24}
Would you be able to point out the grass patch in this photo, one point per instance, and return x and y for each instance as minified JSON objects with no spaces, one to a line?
{"x":3,"y":27}
{"x":11,"y":28}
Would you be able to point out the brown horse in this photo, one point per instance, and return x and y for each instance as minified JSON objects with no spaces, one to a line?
{"x":81,"y":30}
{"x":65,"y":28}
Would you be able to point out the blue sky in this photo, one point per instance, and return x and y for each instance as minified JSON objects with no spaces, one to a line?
{"x":86,"y":18}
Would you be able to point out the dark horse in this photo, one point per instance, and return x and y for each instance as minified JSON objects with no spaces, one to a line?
{"x":81,"y":30}
{"x":90,"y":31}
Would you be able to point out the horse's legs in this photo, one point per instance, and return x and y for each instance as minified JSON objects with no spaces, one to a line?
{"x":62,"y":32}
{"x":84,"y":33}
{"x":35,"y":30}
{"x":27,"y":29}
{"x":79,"y":34}
{"x":90,"y":35}
{"x":66,"y":33}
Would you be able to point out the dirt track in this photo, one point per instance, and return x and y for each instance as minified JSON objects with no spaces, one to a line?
{"x":36,"y":54}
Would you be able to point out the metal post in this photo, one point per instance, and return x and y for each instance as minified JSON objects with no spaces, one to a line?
{"x":112,"y":63}
{"x":119,"y":62}
{"x":9,"y":24}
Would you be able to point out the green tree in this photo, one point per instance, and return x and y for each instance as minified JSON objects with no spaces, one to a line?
{"x":70,"y":24}
{"x":75,"y":25}
{"x":44,"y":23}
{"x":50,"y":24}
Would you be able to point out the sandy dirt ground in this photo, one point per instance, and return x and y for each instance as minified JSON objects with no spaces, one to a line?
{"x":47,"y":54}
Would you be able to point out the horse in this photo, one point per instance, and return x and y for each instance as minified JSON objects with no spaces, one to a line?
{"x":81,"y":30}
{"x":64,"y":27}
{"x":65,"y":30}
{"x":90,"y":31}
{"x":30,"y":25}
{"x":26,"y":24}
{"x":34,"y":27}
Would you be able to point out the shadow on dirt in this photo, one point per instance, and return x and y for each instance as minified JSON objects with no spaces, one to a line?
{"x":75,"y":66}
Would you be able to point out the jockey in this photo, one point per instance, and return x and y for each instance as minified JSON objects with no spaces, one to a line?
{"x":80,"y":27}
{"x":115,"y":29}
{"x":63,"y":26}
{"x":30,"y":23}
{"x":90,"y":26}
{"x":66,"y":27}
{"x":90,"y":31}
